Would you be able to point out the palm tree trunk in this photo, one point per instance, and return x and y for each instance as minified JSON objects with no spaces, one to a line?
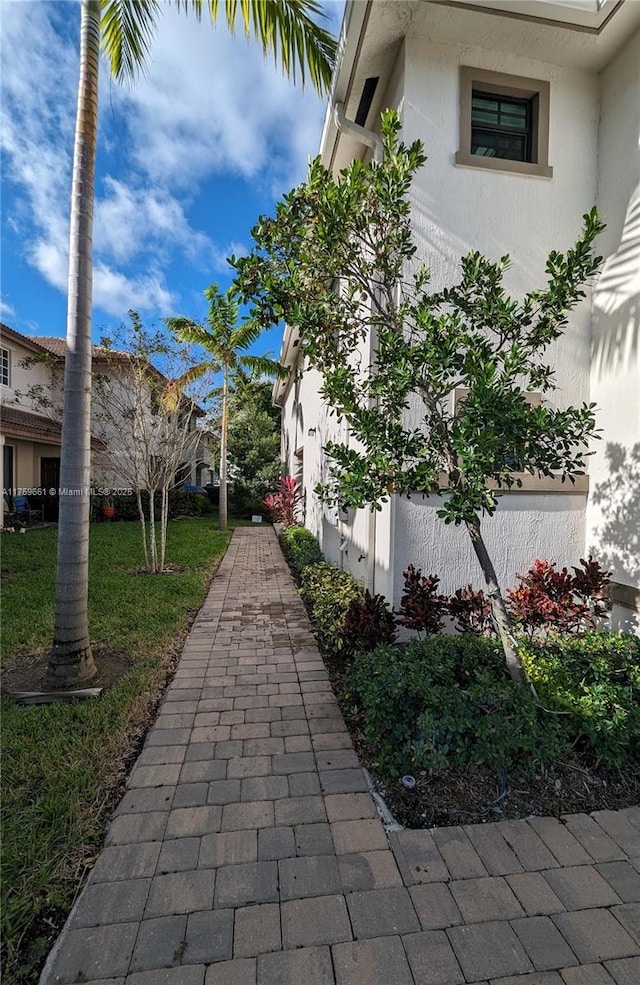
{"x":70,"y":660}
{"x":223,"y":451}
{"x":498,"y":608}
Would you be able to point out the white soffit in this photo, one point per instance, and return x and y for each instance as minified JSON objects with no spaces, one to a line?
{"x":580,"y":13}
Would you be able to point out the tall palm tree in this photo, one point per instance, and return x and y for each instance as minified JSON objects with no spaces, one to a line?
{"x":225,"y":342}
{"x":124,"y":30}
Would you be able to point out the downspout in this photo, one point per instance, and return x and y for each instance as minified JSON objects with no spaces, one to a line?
{"x":359,"y":133}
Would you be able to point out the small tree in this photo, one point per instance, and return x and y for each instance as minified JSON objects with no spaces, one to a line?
{"x":403,"y":406}
{"x":253,"y":445}
{"x":145,"y":441}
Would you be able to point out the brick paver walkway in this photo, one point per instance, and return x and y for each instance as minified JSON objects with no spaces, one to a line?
{"x":248,"y":850}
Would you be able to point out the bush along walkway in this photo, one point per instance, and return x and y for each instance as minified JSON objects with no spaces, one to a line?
{"x":248,"y":851}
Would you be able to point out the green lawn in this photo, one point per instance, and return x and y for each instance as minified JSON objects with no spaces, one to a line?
{"x":59,"y":775}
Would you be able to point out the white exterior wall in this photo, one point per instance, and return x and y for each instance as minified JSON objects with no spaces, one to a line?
{"x":525,"y":526}
{"x":458,"y":209}
{"x":303,"y":410}
{"x":38,"y":372}
{"x":615,"y":372}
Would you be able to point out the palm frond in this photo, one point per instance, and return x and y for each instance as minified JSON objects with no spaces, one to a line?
{"x":189,"y":331}
{"x":286,"y":28}
{"x":263,"y":366}
{"x":223,"y":309}
{"x":127,"y":30}
{"x":245,"y":334}
{"x":175,"y":390}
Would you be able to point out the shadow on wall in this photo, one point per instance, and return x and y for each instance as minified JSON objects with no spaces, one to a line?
{"x":616,"y":304}
{"x":618,"y":497}
{"x":624,"y":621}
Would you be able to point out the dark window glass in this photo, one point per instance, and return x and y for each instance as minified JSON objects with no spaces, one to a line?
{"x":501,"y":127}
{"x":5,"y":367}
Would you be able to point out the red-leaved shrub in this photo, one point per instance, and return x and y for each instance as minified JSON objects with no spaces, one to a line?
{"x":472,"y":612}
{"x":369,"y":623}
{"x":421,"y":608}
{"x":282,"y":504}
{"x":551,"y":599}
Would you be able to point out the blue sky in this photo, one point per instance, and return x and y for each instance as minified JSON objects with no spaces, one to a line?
{"x":188,"y":158}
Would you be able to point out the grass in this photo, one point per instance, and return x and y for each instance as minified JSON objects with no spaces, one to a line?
{"x":59,"y":772}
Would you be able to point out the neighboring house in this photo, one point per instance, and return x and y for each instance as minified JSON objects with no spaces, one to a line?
{"x":567,"y":76}
{"x":32,"y":370}
{"x":29,"y":436}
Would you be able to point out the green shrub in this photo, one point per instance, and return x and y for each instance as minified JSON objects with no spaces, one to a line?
{"x":448,"y":702}
{"x":594,"y":681}
{"x":203,"y":505}
{"x":301,"y":548}
{"x":180,"y":504}
{"x":244,"y":501}
{"x":329,"y":591}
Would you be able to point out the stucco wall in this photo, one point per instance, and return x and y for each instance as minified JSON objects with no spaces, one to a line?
{"x":26,"y":461}
{"x":613,"y":515}
{"x":32,"y":372}
{"x":459,"y":209}
{"x":345,"y":537}
{"x":524,"y":527}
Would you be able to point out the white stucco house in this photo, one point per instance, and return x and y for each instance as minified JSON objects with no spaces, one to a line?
{"x":567,"y":75}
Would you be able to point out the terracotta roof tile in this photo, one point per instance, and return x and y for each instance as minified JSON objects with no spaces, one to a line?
{"x":21,"y":423}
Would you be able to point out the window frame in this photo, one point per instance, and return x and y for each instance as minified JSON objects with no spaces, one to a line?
{"x":3,"y":350}
{"x":535,"y":91}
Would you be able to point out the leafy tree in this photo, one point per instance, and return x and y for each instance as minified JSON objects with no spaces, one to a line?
{"x":254,"y":442}
{"x":338,"y":262}
{"x":124,"y":29}
{"x":225,"y":342}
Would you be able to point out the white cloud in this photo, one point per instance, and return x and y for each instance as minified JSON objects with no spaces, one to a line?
{"x":128,"y":216}
{"x":211,"y":102}
{"x":209,"y":105}
{"x":6,"y":310}
{"x":116,"y":293}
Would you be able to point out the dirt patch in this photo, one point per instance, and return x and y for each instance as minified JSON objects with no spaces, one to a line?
{"x":27,"y":673}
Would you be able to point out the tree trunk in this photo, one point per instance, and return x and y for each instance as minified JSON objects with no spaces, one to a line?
{"x":143,"y":525}
{"x":70,"y":660}
{"x":164,"y":519}
{"x":153,"y":546}
{"x":498,"y":608}
{"x":223,"y":451}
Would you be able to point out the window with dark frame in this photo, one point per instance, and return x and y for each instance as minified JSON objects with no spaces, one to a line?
{"x":5,"y":367}
{"x":504,"y":123}
{"x":501,"y":126}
